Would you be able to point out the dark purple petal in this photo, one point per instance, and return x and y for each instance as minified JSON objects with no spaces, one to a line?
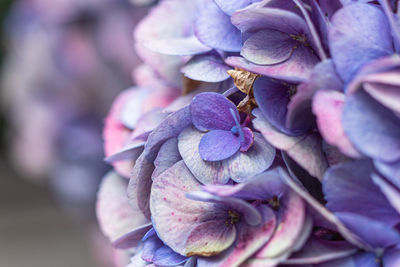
{"x":318,"y":250}
{"x":392,"y":194}
{"x":361,"y":115}
{"x":214,"y":28}
{"x":188,"y":227}
{"x":239,"y":167}
{"x":305,"y":150}
{"x":181,"y":46}
{"x":359,"y":33}
{"x":364,"y":227}
{"x":389,"y":169}
{"x":170,"y":127}
{"x":348,"y":187}
{"x":165,"y":256}
{"x":248,"y":140}
{"x":166,"y":157}
{"x":262,"y":186}
{"x":218,"y":145}
{"x":211,"y":111}
{"x":268,"y":47}
{"x":206,"y":68}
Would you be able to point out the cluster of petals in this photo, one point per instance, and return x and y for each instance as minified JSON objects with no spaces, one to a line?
{"x":264,"y":133}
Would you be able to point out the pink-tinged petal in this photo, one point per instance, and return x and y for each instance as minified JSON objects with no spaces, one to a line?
{"x":119,"y":221}
{"x":188,"y":227}
{"x":250,"y":240}
{"x":214,"y":28}
{"x":327,"y":107}
{"x":172,"y":126}
{"x":130,"y":152}
{"x":392,"y":193}
{"x":166,"y":157}
{"x":148,"y":122}
{"x":179,"y":46}
{"x":218,"y":145}
{"x":295,"y":70}
{"x":330,"y":218}
{"x":317,"y":251}
{"x":248,"y":139}
{"x":292,"y":218}
{"x":240,"y":167}
{"x":211,"y":111}
{"x":305,"y":150}
{"x":267,"y":47}
{"x":132,"y":108}
{"x":140,"y":184}
{"x":206,"y":68}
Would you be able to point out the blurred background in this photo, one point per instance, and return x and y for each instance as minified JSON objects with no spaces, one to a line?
{"x":62,"y":63}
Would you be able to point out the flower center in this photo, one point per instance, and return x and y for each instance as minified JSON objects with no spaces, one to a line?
{"x":237,"y":129}
{"x":234,"y":217}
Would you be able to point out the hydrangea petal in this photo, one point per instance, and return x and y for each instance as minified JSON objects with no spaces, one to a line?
{"x":130,"y":152}
{"x":267,"y":47}
{"x":218,"y":145}
{"x":211,"y":111}
{"x":165,"y":256}
{"x":230,"y":6}
{"x":305,"y":150}
{"x":248,"y":139}
{"x":347,"y":186}
{"x":392,"y":194}
{"x":166,"y":157}
{"x":391,"y":170}
{"x":214,"y":28}
{"x":392,"y":258}
{"x":240,"y":167}
{"x":176,"y":218}
{"x":359,"y":33}
{"x":206,"y":68}
{"x":362,"y":114}
{"x":317,"y":251}
{"x":328,"y":106}
{"x":363,"y":227}
{"x":170,"y":127}
{"x":116,"y":216}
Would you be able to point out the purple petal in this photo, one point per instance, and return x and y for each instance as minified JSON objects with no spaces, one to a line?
{"x":325,"y":213}
{"x":206,"y":68}
{"x":363,"y":227}
{"x":249,"y":212}
{"x":362,"y":114}
{"x":359,"y":33}
{"x":165,"y":256}
{"x":117,"y":218}
{"x":391,"y":258}
{"x":249,"y":241}
{"x":132,"y":109}
{"x":254,"y":19}
{"x":150,"y":245}
{"x":299,"y":113}
{"x":166,"y":157}
{"x":240,"y":167}
{"x":297,"y":69}
{"x":130,"y":152}
{"x":305,"y":150}
{"x":263,"y":186}
{"x":214,"y":29}
{"x":148,"y":122}
{"x":248,"y":139}
{"x":211,"y":111}
{"x":392,"y":194}
{"x":348,"y":187}
{"x":293,"y":214}
{"x":180,"y":46}
{"x":218,"y":145}
{"x":327,"y":107}
{"x":170,"y":127}
{"x":188,"y":227}
{"x":389,"y":169}
{"x":140,"y":184}
{"x":230,"y":6}
{"x":317,"y":251}
{"x":268,"y":47}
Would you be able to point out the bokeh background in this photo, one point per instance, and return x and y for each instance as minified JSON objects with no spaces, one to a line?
{"x":62,"y":63}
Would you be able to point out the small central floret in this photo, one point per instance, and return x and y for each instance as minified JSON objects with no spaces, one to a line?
{"x":237,"y":129}
{"x":301,"y":38}
{"x":234,"y":217}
